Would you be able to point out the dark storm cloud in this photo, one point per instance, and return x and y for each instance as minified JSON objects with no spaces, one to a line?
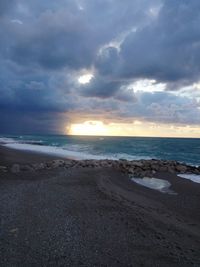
{"x":54,"y":43}
{"x":107,"y":61}
{"x":100,"y":87}
{"x":69,"y":33}
{"x":6,"y":6}
{"x":166,"y":50}
{"x":46,"y":45}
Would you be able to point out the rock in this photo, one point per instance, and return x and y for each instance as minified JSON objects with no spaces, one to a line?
{"x":171,"y":169}
{"x":139,"y":172}
{"x":155,"y":167}
{"x":131,"y":170}
{"x":26,"y":168}
{"x":196,"y":171}
{"x":181,"y":168}
{"x":15,"y":168}
{"x":191,"y":169}
{"x":143,"y":174}
{"x":137,"y":163}
{"x":163,"y":169}
{"x":38,"y":166}
{"x":3,"y":169}
{"x":57,"y":163}
{"x":68,"y":164}
{"x":122,"y":164}
{"x":96,"y":164}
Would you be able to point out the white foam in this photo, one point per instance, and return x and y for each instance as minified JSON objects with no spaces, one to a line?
{"x":6,"y":140}
{"x":77,"y":147}
{"x":56,"y":151}
{"x":193,"y":177}
{"x":128,"y":156}
{"x":71,"y":151}
{"x":154,"y":183}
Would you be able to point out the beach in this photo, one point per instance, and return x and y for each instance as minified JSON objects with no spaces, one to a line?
{"x":94,"y":216}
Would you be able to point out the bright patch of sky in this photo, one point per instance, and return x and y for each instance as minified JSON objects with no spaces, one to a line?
{"x":147,"y":86}
{"x":86,"y":78}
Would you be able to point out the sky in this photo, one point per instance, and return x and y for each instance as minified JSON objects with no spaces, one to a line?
{"x":107,"y":67}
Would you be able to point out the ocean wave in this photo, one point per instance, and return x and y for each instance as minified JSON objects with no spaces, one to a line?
{"x":6,"y":140}
{"x":78,"y":147}
{"x":128,"y":156}
{"x":67,"y":153}
{"x":32,"y":142}
{"x":56,"y":151}
{"x":9,"y":140}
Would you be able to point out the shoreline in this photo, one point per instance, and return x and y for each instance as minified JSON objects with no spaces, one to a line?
{"x":81,"y":150}
{"x":94,"y":215}
{"x":27,"y":160}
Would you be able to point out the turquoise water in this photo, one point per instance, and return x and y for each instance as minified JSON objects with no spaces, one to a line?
{"x":180,"y":149}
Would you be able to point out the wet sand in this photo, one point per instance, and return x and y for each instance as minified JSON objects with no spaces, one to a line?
{"x":11,"y":156}
{"x":94,"y":217}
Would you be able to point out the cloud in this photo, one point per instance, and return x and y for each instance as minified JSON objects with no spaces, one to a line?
{"x":45,"y":46}
{"x":6,"y":6}
{"x":100,"y":87}
{"x":157,"y":51}
{"x":167,"y":49}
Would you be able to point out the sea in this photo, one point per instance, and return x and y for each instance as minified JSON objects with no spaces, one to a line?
{"x":186,"y":150}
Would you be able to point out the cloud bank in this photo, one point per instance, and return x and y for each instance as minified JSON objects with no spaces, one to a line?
{"x":144,"y":57}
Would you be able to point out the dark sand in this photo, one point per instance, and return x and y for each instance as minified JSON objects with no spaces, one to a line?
{"x":11,"y":156}
{"x":90,"y":217}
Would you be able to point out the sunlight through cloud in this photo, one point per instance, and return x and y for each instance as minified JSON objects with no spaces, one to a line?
{"x":83,"y":79}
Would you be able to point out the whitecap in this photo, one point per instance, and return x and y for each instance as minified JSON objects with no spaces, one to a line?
{"x":6,"y":140}
{"x":75,"y":151}
{"x":129,"y":157}
{"x":52,"y":150}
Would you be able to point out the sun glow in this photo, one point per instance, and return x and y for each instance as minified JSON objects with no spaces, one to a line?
{"x":88,"y":128}
{"x":136,"y":128}
{"x":83,"y":79}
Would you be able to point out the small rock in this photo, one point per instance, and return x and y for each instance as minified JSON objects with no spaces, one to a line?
{"x":3,"y":168}
{"x":57,"y":163}
{"x":26,"y":168}
{"x":155,"y":167}
{"x":163,"y":169}
{"x":196,"y":171}
{"x":38,"y":166}
{"x":171,"y":169}
{"x":137,"y":163}
{"x":181,"y":168}
{"x":131,"y":170}
{"x":14,"y":230}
